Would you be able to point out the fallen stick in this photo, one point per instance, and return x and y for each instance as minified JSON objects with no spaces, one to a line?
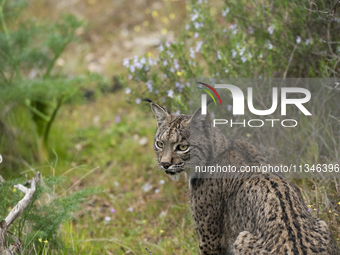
{"x":15,"y":248}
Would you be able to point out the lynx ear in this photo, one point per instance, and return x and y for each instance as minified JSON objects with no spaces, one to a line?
{"x":200,"y":120}
{"x":159,"y":112}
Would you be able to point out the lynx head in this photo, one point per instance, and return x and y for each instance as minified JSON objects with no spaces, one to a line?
{"x":172,"y":143}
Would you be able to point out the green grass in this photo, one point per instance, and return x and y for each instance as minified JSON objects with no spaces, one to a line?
{"x":160,"y":218}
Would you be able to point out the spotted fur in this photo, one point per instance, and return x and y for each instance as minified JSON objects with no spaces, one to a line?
{"x":251,"y":213}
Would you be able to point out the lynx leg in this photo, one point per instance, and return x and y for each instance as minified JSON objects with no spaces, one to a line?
{"x":247,"y":244}
{"x":208,"y":216}
{"x":209,"y":233}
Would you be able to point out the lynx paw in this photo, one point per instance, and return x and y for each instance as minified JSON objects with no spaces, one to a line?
{"x":245,"y":244}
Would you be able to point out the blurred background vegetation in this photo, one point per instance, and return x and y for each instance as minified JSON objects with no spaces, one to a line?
{"x":72,"y":75}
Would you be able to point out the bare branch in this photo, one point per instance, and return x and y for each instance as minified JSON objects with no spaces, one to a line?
{"x":23,"y":203}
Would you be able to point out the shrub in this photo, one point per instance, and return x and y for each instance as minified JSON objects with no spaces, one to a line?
{"x":240,"y":39}
{"x":39,"y":225}
{"x":29,"y":51}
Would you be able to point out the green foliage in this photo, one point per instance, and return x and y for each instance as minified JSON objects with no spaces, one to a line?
{"x":42,"y":219}
{"x":28,"y":53}
{"x":257,"y":39}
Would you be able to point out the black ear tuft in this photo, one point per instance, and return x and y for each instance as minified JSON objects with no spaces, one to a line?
{"x":147,"y":100}
{"x":160,"y":113}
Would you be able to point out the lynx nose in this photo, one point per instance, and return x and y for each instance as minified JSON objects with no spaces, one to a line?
{"x":166,"y":165}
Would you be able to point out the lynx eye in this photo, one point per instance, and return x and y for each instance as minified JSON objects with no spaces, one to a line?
{"x":159,"y":144}
{"x":183,"y":147}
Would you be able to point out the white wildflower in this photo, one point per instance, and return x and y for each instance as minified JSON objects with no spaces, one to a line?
{"x":126,"y":62}
{"x":194,"y":16}
{"x":146,"y":187}
{"x":176,"y":65}
{"x":233,"y":27}
{"x":244,"y":59}
{"x":170,"y":93}
{"x":138,"y":100}
{"x":138,"y":65}
{"x":170,"y":54}
{"x":179,"y":86}
{"x":270,"y":46}
{"x":127,"y":91}
{"x":233,"y":53}
{"x":298,"y":39}
{"x":270,"y":29}
{"x":199,"y":46}
{"x":224,"y":13}
{"x":192,"y":52}
{"x":219,"y":55}
{"x":241,"y":52}
{"x":149,"y":85}
{"x":162,"y":214}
